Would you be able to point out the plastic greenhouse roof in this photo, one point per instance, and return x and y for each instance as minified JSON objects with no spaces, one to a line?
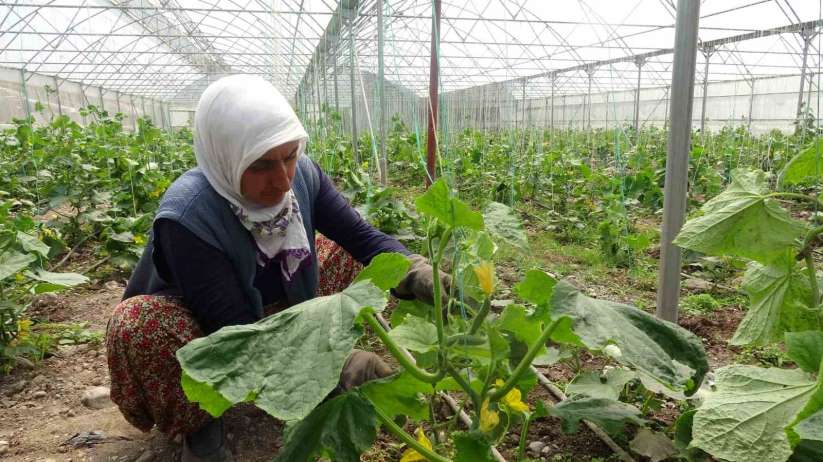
{"x":172,"y":49}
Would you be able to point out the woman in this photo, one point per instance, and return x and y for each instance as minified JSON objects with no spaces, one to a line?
{"x":234,"y":240}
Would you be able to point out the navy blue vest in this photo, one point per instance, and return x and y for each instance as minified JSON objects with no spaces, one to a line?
{"x":192,"y":202}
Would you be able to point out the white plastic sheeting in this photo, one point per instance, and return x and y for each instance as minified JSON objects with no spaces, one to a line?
{"x":170,"y":50}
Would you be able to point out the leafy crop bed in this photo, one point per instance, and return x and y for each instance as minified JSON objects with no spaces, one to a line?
{"x":561,"y":293}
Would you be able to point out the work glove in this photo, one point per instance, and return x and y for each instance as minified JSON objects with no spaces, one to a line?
{"x":361,"y":367}
{"x":419,"y":282}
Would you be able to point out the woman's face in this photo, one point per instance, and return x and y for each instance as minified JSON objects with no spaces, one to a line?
{"x":268,"y":179}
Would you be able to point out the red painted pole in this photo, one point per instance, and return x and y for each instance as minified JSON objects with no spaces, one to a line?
{"x":434,"y":72}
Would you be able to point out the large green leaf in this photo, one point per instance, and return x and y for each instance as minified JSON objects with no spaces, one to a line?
{"x":607,"y":385}
{"x":805,"y":349}
{"x":438,"y":203}
{"x":744,"y":418}
{"x":813,"y":405}
{"x":386,"y":270}
{"x":504,"y":224}
{"x":515,"y":320}
{"x":11,"y":262}
{"x":742,"y":221}
{"x":776,"y":294}
{"x":471,"y":447}
{"x":399,"y":395}
{"x":662,"y":350}
{"x":537,"y":287}
{"x":610,"y":415}
{"x":810,"y":434}
{"x":286,"y":363}
{"x":804,"y":167}
{"x":60,"y":279}
{"x":341,"y":429}
{"x":32,"y":244}
{"x":415,"y":334}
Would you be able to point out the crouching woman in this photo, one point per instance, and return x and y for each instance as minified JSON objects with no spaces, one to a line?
{"x":233,"y":240}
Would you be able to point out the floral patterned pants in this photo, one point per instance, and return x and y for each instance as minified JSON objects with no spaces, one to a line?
{"x":144,"y":333}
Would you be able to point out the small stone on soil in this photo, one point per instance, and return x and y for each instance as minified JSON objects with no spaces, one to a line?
{"x":4,"y":446}
{"x":16,"y":387}
{"x":39,"y":394}
{"x":96,"y":398}
{"x":536,"y":446}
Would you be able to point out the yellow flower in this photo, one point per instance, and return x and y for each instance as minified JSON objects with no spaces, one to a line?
{"x":23,"y":329}
{"x":410,"y":455}
{"x":488,"y":418}
{"x":513,"y":399}
{"x":139,"y":239}
{"x":157,"y":192}
{"x":485,"y":275}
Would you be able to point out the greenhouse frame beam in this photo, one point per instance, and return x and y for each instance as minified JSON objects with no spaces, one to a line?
{"x":707,"y":51}
{"x":210,"y":62}
{"x":639,"y":62}
{"x":807,"y":35}
{"x":677,"y":157}
{"x":434,"y":79}
{"x":808,"y":25}
{"x":330,"y":40}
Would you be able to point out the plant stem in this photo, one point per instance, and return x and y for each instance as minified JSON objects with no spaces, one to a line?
{"x":480,"y":316}
{"x":525,"y":362}
{"x":813,"y":280}
{"x":408,"y":439}
{"x":395,"y":351}
{"x":465,"y":385}
{"x":524,"y":432}
{"x":802,"y":197}
{"x":438,"y":299}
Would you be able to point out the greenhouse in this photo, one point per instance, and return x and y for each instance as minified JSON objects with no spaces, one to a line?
{"x":406,"y":230}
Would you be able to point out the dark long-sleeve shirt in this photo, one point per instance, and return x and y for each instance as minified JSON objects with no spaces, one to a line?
{"x":205,"y":278}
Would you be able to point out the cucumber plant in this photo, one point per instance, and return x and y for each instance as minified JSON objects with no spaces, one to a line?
{"x":288,"y":363}
{"x":771,"y":414}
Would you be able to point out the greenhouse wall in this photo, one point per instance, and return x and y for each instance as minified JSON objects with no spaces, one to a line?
{"x":58,"y":96}
{"x":772,"y":105}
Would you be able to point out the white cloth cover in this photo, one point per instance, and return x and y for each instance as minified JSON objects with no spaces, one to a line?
{"x":238,"y":119}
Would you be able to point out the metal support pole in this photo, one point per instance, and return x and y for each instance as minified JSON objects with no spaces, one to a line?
{"x":57,"y":94}
{"x":100,"y":94}
{"x":434,"y":72}
{"x":483,"y":111}
{"x":133,"y":113}
{"x":751,"y":105}
{"x":707,"y":54}
{"x":523,"y":104}
{"x":351,"y":18}
{"x":807,"y":35}
{"x":336,"y":88}
{"x":554,"y":78}
{"x":563,"y":110}
{"x":589,"y":72}
{"x":117,"y":95}
{"x":24,"y":93}
{"x":381,"y":94}
{"x":677,"y":159}
{"x":666,"y":110}
{"x":639,"y":62}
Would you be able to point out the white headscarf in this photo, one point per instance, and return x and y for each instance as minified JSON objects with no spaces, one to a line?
{"x":238,"y":119}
